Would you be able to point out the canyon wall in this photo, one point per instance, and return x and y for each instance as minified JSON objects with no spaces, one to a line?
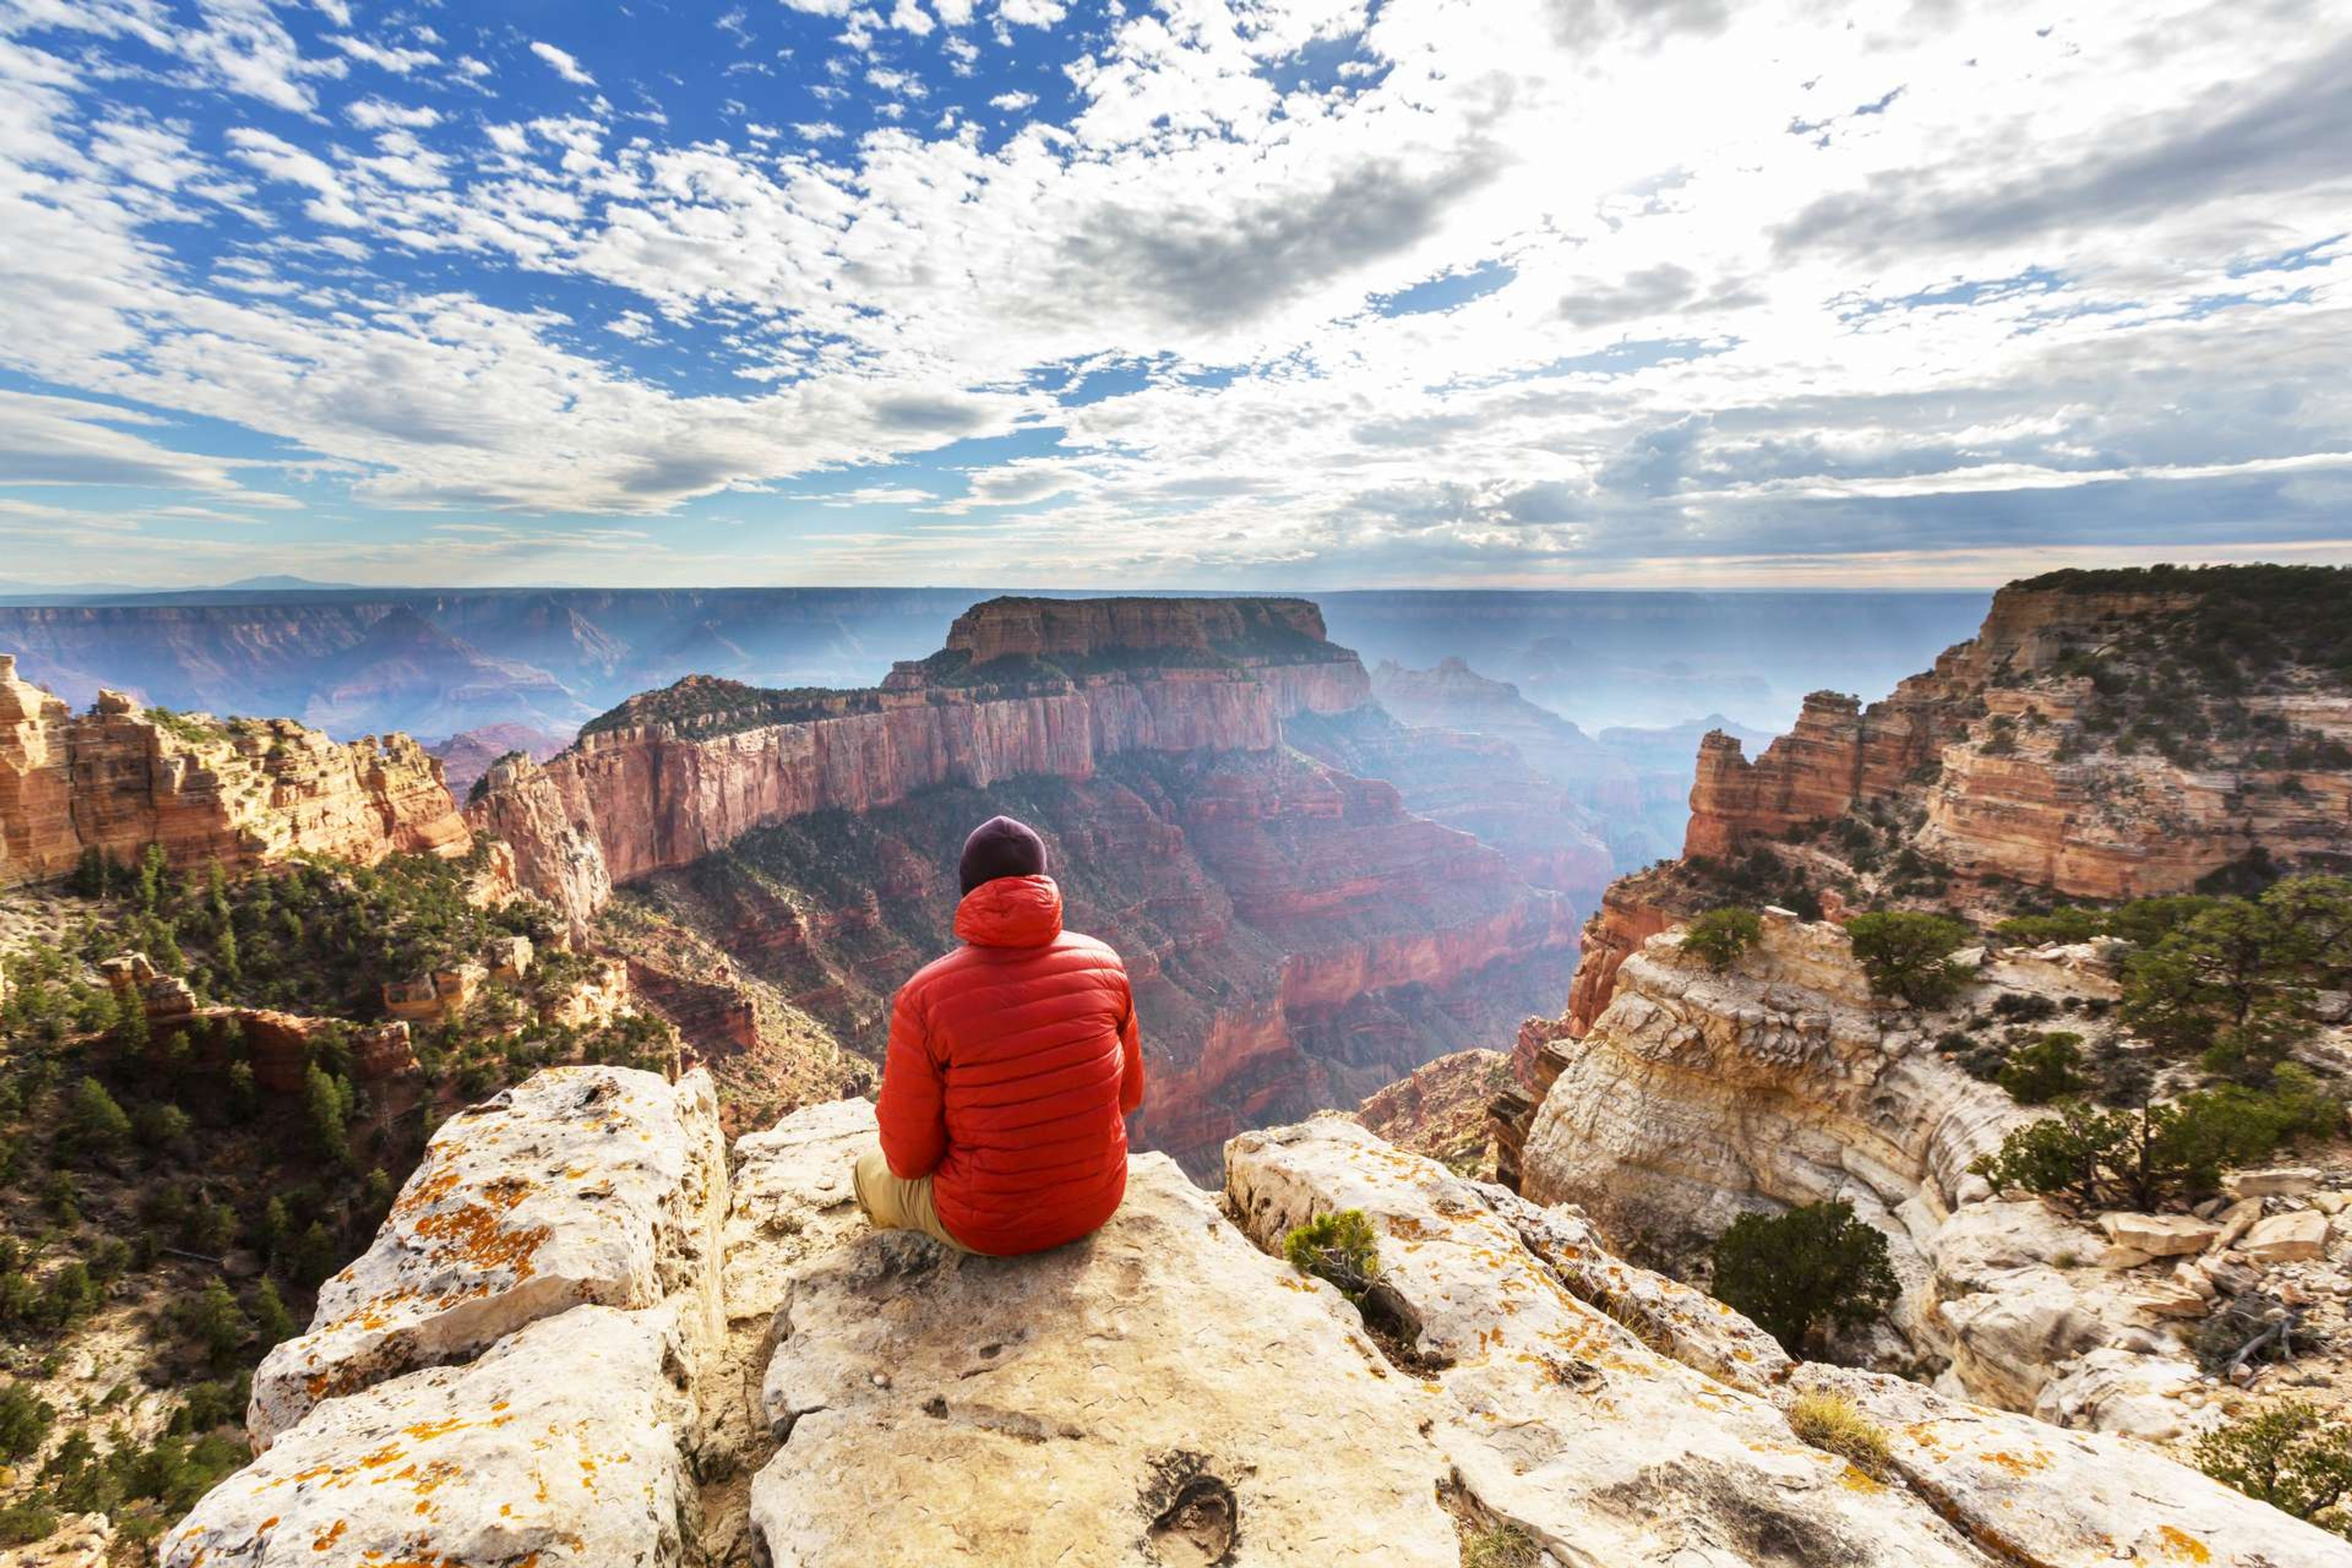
{"x":1701,"y":1094}
{"x":574,"y":1349}
{"x":242,"y":792}
{"x":2090,"y":743}
{"x":2075,"y":744}
{"x":673,"y":775}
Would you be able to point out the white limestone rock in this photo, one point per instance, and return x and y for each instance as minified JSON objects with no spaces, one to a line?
{"x":2159,"y":1235}
{"x":2068,"y":1497}
{"x":582,"y":1185}
{"x":2295,"y":1237}
{"x":1152,"y":1396}
{"x":2277,"y":1181}
{"x":559,"y":1447}
{"x":1558,"y":1418}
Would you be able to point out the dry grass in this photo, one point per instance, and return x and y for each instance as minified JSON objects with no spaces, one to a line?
{"x":1505,"y":1546}
{"x":1831,"y":1423}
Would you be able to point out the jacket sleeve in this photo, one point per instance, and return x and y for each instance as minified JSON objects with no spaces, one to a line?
{"x":913,"y":1107}
{"x":1130,"y":1044}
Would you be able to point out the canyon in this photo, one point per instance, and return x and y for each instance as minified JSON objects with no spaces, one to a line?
{"x":1628,"y":788}
{"x":1298,"y":935}
{"x":435,"y":662}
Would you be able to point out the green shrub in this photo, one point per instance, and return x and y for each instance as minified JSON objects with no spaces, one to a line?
{"x":1799,"y":1274}
{"x":1719,"y":936}
{"x":1504,"y":1546}
{"x":1832,"y":1422}
{"x":2290,"y":1457}
{"x":2164,"y":1154}
{"x":2048,"y":1070}
{"x":94,"y":1122}
{"x":1341,"y":1247}
{"x":1908,"y":955}
{"x":25,"y":1421}
{"x":25,"y":1520}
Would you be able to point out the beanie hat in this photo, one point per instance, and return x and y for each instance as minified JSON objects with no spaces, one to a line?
{"x":1001,"y":847}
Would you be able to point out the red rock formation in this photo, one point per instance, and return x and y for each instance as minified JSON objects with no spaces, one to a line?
{"x":1996,"y":745}
{"x":673,"y":775}
{"x":1090,"y":628}
{"x":119,"y":778}
{"x":280,"y":1047}
{"x":1440,"y":1110}
{"x":469,"y":754}
{"x":1626,"y":919}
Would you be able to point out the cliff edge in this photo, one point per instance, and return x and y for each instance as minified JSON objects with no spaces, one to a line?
{"x":800,"y":1391}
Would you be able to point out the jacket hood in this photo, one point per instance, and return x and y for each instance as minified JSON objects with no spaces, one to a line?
{"x":1010,"y":911}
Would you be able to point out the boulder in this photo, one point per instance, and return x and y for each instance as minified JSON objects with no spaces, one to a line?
{"x":2287,"y":1237}
{"x":562,"y":1444}
{"x":2158,"y":1234}
{"x":1155,"y":1394}
{"x":2279,"y":1182}
{"x":585,"y":1183}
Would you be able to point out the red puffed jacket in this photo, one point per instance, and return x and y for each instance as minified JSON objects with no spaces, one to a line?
{"x":1012,"y":1063}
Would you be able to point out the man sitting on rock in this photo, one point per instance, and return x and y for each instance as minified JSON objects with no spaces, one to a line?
{"x":1012,"y":1064}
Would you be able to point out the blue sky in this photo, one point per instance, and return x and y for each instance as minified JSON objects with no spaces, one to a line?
{"x":1312,"y":293}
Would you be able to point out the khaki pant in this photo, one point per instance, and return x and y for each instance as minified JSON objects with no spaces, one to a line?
{"x":893,"y":1203}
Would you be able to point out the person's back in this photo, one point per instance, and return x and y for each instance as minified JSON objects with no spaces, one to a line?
{"x":1012,"y":1064}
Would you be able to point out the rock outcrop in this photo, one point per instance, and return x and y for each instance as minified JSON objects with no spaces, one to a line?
{"x":243,"y":792}
{"x":2088,"y":741}
{"x":1699,"y":1095}
{"x":584,"y":1184}
{"x":1163,"y":1394}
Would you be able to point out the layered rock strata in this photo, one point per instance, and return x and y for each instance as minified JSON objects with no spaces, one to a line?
{"x":2066,"y":747}
{"x":1295,"y":937}
{"x":1297,"y":934}
{"x":1163,"y":1394}
{"x":242,"y":792}
{"x":674,"y":776}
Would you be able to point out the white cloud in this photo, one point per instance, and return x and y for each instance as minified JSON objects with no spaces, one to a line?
{"x":375,"y":113}
{"x":1032,"y":13}
{"x":1554,"y":289}
{"x":398,"y":61}
{"x":561,"y":63}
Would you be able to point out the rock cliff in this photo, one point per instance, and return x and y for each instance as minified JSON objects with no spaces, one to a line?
{"x":800,"y":1391}
{"x":1698,"y":1095}
{"x":120,"y":778}
{"x":1023,"y":687}
{"x":2103,"y":735}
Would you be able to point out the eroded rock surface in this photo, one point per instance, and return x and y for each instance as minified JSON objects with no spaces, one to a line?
{"x":1564,"y":1421}
{"x":562,"y":1444}
{"x":1159,"y":1393}
{"x":584,"y":1184}
{"x":1163,"y":1395}
{"x":120,"y":778}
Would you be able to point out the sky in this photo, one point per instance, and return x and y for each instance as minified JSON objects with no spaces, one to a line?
{"x":1205,"y":293}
